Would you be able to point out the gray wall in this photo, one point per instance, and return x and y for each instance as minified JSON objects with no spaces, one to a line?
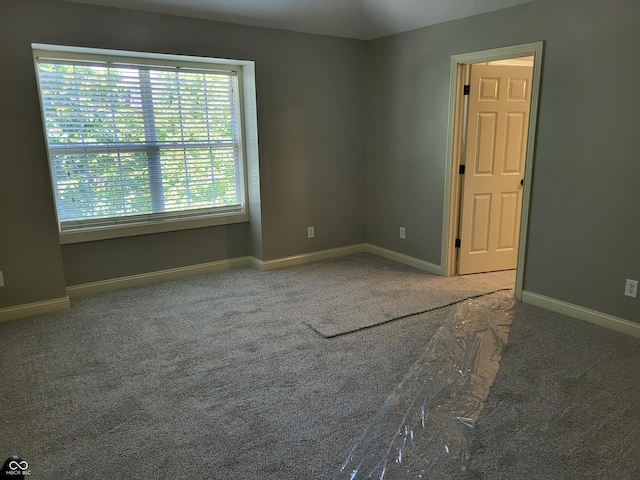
{"x":352,"y":141}
{"x":585,"y":201}
{"x":310,"y":126}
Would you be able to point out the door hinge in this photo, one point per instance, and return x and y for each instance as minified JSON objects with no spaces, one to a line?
{"x":457,"y":245}
{"x":461,"y":170}
{"x":466,"y":90}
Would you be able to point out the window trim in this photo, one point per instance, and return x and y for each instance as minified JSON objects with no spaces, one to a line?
{"x":169,"y":221}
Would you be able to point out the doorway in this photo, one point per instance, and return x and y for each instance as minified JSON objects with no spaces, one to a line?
{"x":468,"y":208}
{"x":492,"y":164}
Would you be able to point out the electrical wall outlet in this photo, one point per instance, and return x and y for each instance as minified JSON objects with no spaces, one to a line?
{"x":631,"y":288}
{"x":403,"y":233}
{"x":311,"y":232}
{"x":1,"y":280}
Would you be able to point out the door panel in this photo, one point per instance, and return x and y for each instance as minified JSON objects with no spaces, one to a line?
{"x":481,"y":216}
{"x":516,"y":147}
{"x":519,"y":89}
{"x":486,"y":149}
{"x":508,"y":228}
{"x":489,"y":89}
{"x":498,"y":118}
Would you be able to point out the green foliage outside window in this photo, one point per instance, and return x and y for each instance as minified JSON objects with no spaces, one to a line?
{"x":136,"y":140}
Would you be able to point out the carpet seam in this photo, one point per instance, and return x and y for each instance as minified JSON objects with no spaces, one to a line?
{"x":407,"y":315}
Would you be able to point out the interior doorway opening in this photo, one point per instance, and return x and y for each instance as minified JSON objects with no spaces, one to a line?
{"x":509,"y":208}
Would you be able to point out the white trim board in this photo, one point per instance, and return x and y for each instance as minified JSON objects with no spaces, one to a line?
{"x":338,"y":252}
{"x":157,"y":276}
{"x":404,"y":259}
{"x":74,"y":291}
{"x":581,"y":313}
{"x":450,"y":217}
{"x":59,"y":304}
{"x":204,"y":268}
{"x":308,"y":257}
{"x":200,"y":269}
{"x":35,"y":308}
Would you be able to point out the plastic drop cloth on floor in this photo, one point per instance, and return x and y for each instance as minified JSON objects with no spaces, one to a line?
{"x":424,"y":428}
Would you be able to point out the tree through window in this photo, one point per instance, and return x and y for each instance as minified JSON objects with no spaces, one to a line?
{"x":130,"y":141}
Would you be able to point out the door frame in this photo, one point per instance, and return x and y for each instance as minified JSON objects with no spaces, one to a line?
{"x":455,"y":142}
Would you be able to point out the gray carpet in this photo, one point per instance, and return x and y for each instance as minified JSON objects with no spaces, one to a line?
{"x":218,"y":377}
{"x":369,"y":293}
{"x":208,"y":377}
{"x":564,"y":404}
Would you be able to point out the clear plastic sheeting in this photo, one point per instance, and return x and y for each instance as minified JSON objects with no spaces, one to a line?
{"x":424,"y":428}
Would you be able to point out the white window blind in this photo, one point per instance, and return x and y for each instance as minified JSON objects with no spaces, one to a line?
{"x":135,"y":142}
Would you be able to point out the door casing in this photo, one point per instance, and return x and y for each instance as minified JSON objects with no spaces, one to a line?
{"x":455,"y":140}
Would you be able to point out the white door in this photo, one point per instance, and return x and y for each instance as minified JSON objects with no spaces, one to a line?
{"x":498,"y":122}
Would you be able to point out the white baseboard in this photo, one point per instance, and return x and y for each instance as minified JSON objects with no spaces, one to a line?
{"x":338,"y":252}
{"x":159,"y":276}
{"x":59,"y":304}
{"x":582,"y":313}
{"x":36,"y":308}
{"x":308,"y":257}
{"x":50,"y":306}
{"x":182,"y":272}
{"x":405,"y":259}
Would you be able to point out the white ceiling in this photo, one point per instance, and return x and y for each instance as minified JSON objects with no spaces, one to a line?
{"x":363,"y":19}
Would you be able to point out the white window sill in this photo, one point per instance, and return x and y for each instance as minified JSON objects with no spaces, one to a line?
{"x":149,"y":227}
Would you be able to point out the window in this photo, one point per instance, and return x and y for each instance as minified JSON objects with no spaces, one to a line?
{"x":142,"y":140}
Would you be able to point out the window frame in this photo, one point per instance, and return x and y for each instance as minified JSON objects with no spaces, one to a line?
{"x":125,"y":226}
